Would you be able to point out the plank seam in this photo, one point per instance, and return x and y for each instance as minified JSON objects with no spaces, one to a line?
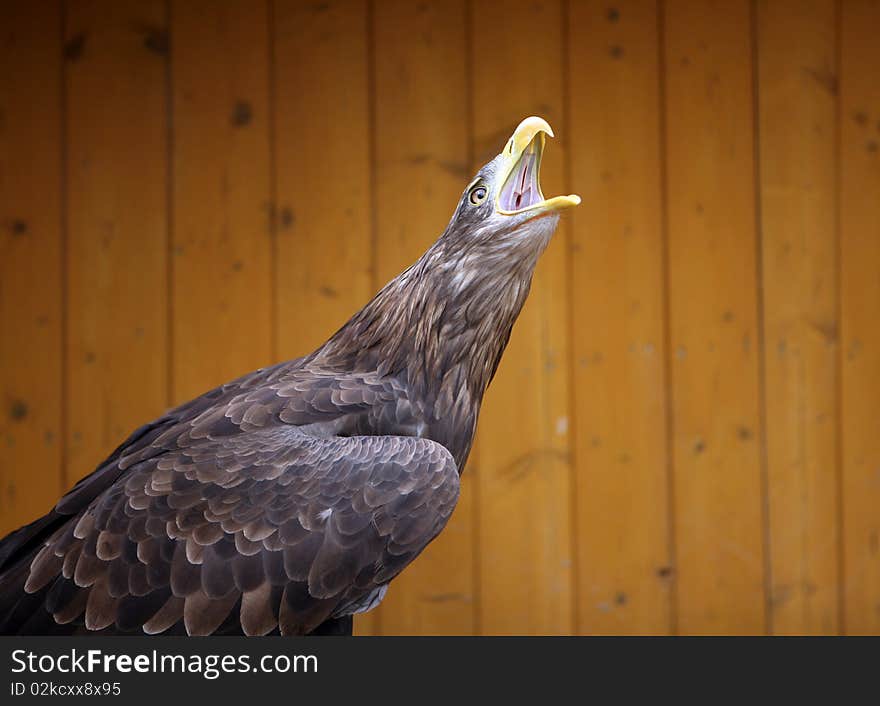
{"x":274,"y":319}
{"x":169,"y":204}
{"x":838,"y":254}
{"x":64,"y":247}
{"x":667,"y":318}
{"x":575,"y":579}
{"x":760,"y":321}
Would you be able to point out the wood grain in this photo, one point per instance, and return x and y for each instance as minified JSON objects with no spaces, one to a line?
{"x":860,"y":302}
{"x":618,"y":322}
{"x":221,"y":306}
{"x":31,"y":253}
{"x":710,"y":174}
{"x":796,"y":73}
{"x":116,"y":134}
{"x":322,"y":153}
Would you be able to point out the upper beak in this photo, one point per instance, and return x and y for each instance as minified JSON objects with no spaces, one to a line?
{"x":519,"y":186}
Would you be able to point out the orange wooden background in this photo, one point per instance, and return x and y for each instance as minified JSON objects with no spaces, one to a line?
{"x":684,"y":436}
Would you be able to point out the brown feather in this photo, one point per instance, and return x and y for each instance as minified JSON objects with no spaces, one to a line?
{"x":109,"y":545}
{"x":257,"y":616}
{"x":100,"y":608}
{"x":167,"y":615}
{"x":185,"y":577}
{"x":203,"y":615}
{"x":300,"y":612}
{"x":44,"y":568}
{"x":73,"y":608}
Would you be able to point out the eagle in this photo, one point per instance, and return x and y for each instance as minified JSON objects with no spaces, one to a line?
{"x":285,"y":501}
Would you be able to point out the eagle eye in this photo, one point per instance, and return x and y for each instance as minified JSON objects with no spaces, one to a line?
{"x":478,"y":195}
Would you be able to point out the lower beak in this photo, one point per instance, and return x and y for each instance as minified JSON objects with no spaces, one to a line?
{"x":519,"y":175}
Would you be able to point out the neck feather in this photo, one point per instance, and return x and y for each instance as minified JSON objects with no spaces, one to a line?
{"x":444,"y":323}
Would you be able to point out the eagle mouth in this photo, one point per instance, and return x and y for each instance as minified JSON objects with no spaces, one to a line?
{"x":522,"y":189}
{"x":521,"y":172}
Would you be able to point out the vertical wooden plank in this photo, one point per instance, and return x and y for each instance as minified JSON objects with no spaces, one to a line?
{"x":524,"y":453}
{"x":797,"y":100}
{"x":860,"y":304}
{"x":421,"y":142}
{"x":221,"y":233}
{"x":712,"y":274}
{"x":322,"y":154}
{"x":620,"y":437}
{"x":323,"y":177}
{"x":116,"y":55}
{"x":30,"y":261}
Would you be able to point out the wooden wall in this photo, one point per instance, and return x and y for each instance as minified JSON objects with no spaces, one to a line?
{"x":684,"y":436}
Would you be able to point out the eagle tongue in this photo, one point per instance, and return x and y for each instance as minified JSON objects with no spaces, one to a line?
{"x":521,"y":189}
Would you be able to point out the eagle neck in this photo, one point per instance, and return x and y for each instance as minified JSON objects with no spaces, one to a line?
{"x":443,"y":325}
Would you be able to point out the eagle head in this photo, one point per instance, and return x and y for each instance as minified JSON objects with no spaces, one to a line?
{"x":446,"y":319}
{"x":503,"y":212}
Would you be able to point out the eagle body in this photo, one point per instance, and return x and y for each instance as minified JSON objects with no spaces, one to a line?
{"x":285,"y":501}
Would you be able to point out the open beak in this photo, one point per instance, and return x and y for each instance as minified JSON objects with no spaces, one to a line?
{"x":519,"y":175}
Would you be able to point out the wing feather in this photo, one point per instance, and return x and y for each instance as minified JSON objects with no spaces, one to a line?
{"x":274,"y":529}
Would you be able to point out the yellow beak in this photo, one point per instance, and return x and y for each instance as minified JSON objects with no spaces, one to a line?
{"x":519,"y":186}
